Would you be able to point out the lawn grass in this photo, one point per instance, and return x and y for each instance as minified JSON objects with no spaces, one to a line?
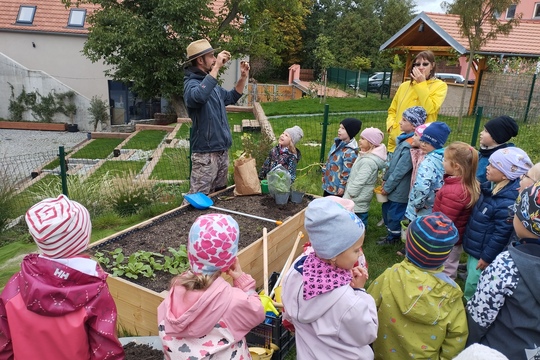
{"x":117,"y":168}
{"x":97,"y":149}
{"x":146,"y":140}
{"x":314,"y":106}
{"x":26,"y":198}
{"x":172,"y":165}
{"x":183,"y":132}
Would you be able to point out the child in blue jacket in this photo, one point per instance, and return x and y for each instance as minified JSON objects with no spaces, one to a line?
{"x":429,"y":177}
{"x":341,"y":158}
{"x":397,"y":179}
{"x":490,"y":225}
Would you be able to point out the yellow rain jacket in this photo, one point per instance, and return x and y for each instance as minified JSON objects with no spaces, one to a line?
{"x":429,"y":94}
{"x":421,"y":314}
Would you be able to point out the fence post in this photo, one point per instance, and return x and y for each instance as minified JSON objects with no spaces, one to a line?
{"x":529,"y":99}
{"x":63,"y":169}
{"x":477,"y":121}
{"x":190,"y":165}
{"x":323,"y":140}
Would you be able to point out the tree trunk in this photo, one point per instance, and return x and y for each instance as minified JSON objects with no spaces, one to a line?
{"x":177,"y":102}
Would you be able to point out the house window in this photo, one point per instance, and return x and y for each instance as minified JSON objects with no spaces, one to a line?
{"x":77,"y":17}
{"x":511,"y":12}
{"x":536,"y":13}
{"x":26,"y":14}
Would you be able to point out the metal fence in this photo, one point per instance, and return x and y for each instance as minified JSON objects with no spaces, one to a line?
{"x":125,"y":174}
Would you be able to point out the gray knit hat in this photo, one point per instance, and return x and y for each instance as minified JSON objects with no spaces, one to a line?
{"x":331,"y":228}
{"x":416,"y":115}
{"x":295,"y":133}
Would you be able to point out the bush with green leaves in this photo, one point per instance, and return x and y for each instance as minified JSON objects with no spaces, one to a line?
{"x":99,"y":111}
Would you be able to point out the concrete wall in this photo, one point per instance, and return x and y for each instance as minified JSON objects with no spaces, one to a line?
{"x":31,"y":80}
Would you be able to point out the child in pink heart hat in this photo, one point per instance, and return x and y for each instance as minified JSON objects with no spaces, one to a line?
{"x":203,"y":315}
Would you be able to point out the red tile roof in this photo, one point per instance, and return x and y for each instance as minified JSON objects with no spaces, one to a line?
{"x":521,"y":40}
{"x":441,"y":30}
{"x":51,"y":16}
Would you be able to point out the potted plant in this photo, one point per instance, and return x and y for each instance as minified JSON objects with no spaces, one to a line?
{"x":99,"y":112}
{"x":297,"y":192}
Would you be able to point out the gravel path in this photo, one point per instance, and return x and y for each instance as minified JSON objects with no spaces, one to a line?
{"x":21,"y":151}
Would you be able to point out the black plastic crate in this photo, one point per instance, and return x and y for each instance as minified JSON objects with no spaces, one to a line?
{"x":272,"y":331}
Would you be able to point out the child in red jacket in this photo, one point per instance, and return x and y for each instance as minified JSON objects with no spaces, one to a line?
{"x":58,"y":306}
{"x":459,"y":193}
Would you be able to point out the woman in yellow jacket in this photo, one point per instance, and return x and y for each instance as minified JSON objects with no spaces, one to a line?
{"x":423,"y":90}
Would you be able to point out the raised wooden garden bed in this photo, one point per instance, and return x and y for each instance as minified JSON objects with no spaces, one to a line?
{"x":137,"y":305}
{"x":32,"y":125}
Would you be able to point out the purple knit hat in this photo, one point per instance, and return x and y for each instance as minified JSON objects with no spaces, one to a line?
{"x":511,"y":161}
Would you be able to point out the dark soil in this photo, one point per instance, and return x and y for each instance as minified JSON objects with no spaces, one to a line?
{"x":172,"y":230}
{"x":141,"y":352}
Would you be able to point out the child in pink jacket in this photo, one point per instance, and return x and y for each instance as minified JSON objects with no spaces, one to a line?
{"x":204,"y":316}
{"x":58,"y":306}
{"x":323,"y":293}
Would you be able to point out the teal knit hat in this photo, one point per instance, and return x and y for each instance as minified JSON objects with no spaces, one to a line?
{"x":430,"y":239}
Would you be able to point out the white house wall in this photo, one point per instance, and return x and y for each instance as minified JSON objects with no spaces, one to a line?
{"x":58,"y":56}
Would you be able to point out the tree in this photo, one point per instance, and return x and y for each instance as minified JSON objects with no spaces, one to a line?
{"x":360,"y":63}
{"x":479,"y":23}
{"x":144,"y":41}
{"x":324,"y":58}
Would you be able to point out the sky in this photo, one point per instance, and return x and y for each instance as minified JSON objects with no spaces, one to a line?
{"x":429,"y":6}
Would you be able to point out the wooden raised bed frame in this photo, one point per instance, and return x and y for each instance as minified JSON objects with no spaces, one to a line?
{"x":137,"y":306}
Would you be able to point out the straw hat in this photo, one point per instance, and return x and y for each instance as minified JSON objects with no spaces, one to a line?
{"x":198,"y":48}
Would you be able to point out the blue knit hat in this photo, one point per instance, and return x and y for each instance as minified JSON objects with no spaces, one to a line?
{"x":430,"y":239}
{"x":436,"y":134}
{"x":331,"y":228}
{"x":416,"y":115}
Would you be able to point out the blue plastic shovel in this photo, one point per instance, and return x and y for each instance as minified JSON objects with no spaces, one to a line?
{"x":202,"y":202}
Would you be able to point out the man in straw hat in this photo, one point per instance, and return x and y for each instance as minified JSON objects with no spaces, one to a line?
{"x":205,"y":101}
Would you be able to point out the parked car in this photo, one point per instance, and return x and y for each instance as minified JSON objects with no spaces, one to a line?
{"x":452,"y":78}
{"x":376,"y":83}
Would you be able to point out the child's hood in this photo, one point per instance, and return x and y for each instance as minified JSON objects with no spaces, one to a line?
{"x":195,"y":313}
{"x":380,"y":152}
{"x":53,"y":288}
{"x":420,"y":291}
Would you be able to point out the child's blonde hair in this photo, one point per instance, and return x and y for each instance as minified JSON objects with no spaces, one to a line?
{"x":466,"y":158}
{"x":192,"y":281}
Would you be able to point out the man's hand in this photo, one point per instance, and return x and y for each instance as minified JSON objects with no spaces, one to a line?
{"x":222,"y":58}
{"x":244,"y":69}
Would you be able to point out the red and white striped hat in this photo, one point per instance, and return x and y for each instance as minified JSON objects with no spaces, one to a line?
{"x":60,"y":227}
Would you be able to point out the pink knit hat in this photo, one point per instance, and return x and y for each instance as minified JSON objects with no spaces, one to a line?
{"x":213,"y":243}
{"x":60,"y":227}
{"x":420,"y":129}
{"x":373,"y":135}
